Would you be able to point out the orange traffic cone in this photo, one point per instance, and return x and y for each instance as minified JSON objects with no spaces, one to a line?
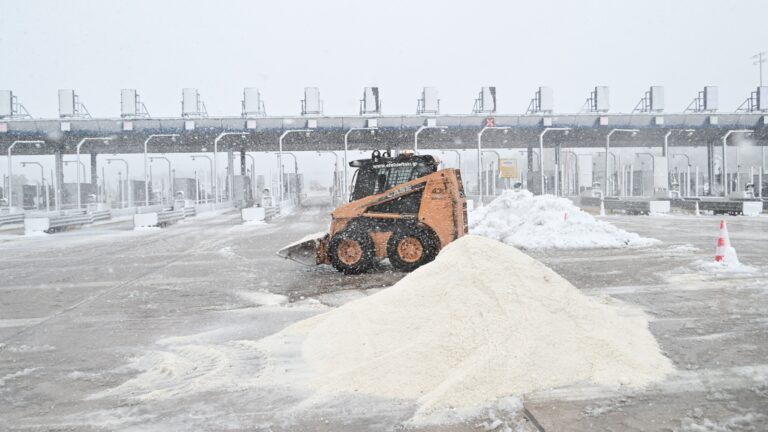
{"x":724,"y":252}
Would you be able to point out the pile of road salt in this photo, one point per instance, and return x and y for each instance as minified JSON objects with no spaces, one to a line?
{"x":542,"y":222}
{"x":482,"y":322}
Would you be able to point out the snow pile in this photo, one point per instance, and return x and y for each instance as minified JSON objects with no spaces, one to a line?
{"x":541,"y":222}
{"x":481,"y":322}
{"x":723,"y":267}
{"x":263,"y":298}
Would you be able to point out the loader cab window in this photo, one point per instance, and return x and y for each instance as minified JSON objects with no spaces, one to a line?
{"x":369,"y":181}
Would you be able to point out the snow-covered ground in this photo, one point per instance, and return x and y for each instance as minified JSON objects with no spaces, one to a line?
{"x":160,"y":331}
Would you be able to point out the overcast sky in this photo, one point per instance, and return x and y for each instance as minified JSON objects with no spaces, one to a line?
{"x":159,"y":47}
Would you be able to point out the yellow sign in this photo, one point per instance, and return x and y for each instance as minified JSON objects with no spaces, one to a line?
{"x":508,"y":168}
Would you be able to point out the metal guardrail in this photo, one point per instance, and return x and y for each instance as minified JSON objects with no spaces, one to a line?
{"x":271,"y":213}
{"x":101,"y":215}
{"x":189,"y":212}
{"x":60,"y":223}
{"x":11,"y":218}
{"x":170,"y":216}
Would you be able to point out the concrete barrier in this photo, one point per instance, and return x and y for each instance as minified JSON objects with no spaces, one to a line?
{"x":253,"y":214}
{"x":34,"y":226}
{"x":659,"y":206}
{"x":145,"y":220}
{"x":752,"y":208}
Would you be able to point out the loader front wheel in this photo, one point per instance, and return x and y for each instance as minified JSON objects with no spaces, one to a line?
{"x":409,"y":248}
{"x":351,"y":252}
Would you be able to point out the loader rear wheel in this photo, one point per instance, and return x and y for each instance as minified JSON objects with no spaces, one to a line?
{"x":410,"y":247}
{"x":351,"y":252}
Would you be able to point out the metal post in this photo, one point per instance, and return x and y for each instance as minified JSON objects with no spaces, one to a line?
{"x":122,"y":189}
{"x":59,"y":178}
{"x":738,"y":170}
{"x":170,"y":173}
{"x":37,"y":143}
{"x":217,"y":194}
{"x":210,"y":162}
{"x":280,"y":155}
{"x":492,"y":182}
{"x":607,"y":147}
{"x":127,"y":180}
{"x":42,"y":181}
{"x":77,"y":150}
{"x":480,"y":158}
{"x":146,"y":163}
{"x":541,"y":155}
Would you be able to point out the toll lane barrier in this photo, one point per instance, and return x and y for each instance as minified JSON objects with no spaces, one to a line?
{"x":250,"y":214}
{"x":51,"y":224}
{"x":157,"y":219}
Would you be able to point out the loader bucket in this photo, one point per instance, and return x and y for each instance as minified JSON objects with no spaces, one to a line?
{"x":305,"y":250}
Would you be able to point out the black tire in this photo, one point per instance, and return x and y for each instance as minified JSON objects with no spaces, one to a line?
{"x":339,"y":251}
{"x":420,"y":238}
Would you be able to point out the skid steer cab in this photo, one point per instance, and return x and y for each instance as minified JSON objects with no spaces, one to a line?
{"x":401,"y":208}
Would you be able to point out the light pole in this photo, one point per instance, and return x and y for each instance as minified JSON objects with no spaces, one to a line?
{"x":416,"y":136}
{"x":613,"y":156}
{"x":280,"y":153}
{"x":759,"y":60}
{"x":726,"y":186}
{"x":458,"y":157}
{"x":42,"y":181}
{"x":666,"y":142}
{"x":146,"y":162}
{"x":498,"y":167}
{"x":335,"y":169}
{"x":687,"y":174}
{"x":77,"y":151}
{"x":541,"y":154}
{"x":607,"y":147}
{"x":296,"y":172}
{"x":480,"y":157}
{"x":38,"y":144}
{"x":77,"y":171}
{"x":653,"y":170}
{"x":170,"y":174}
{"x":210,"y":161}
{"x":346,"y":163}
{"x":568,"y":167}
{"x":127,"y":178}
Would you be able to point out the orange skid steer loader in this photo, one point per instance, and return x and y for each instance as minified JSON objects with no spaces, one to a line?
{"x":401,"y":208}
